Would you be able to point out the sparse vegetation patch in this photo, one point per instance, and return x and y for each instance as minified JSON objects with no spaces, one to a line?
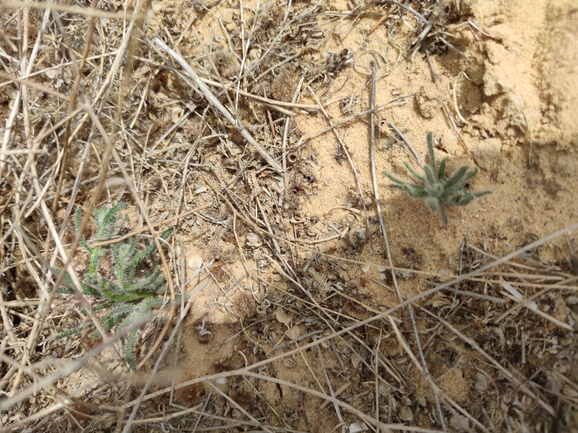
{"x":135,"y":284}
{"x":437,"y":190}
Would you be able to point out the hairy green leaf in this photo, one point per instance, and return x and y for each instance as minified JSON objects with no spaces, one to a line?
{"x":437,"y":191}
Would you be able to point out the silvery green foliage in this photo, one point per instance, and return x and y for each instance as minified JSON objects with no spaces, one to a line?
{"x":437,"y":191}
{"x":136,"y":286}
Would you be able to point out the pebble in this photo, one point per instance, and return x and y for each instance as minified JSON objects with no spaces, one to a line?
{"x":481,"y":382}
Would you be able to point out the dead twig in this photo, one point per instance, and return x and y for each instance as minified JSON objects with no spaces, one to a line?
{"x":346,"y":152}
{"x":393,"y":103}
{"x":507,"y":374}
{"x":202,"y":87}
{"x":374,"y":173}
{"x":407,"y":143}
{"x":383,"y":315}
{"x":424,"y":366}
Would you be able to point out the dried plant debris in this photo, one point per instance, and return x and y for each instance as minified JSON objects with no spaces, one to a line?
{"x":300,"y":291}
{"x":412,"y":259}
{"x":227,"y":64}
{"x":284,"y":84}
{"x":430,"y":22}
{"x":334,"y":63}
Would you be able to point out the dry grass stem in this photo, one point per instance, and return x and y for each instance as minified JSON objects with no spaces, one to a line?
{"x":179,"y":250}
{"x":220,"y":107}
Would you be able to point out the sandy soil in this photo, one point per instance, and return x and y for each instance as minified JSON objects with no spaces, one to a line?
{"x":296,"y":256}
{"x":511,"y":88}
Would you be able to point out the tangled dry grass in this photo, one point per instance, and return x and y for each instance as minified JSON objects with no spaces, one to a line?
{"x":104,"y":104}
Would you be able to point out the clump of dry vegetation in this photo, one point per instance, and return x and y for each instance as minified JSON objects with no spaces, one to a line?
{"x":191,"y":115}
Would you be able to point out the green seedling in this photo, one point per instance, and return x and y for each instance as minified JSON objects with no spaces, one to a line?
{"x":437,"y":191}
{"x":136,"y":284}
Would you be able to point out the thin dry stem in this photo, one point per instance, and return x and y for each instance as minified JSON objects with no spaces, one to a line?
{"x":217,"y":104}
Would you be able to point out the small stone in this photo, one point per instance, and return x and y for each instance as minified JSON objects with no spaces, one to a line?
{"x":405,"y":413}
{"x":253,"y":241}
{"x":486,"y":152}
{"x":356,"y":428}
{"x":460,"y":423}
{"x":481,"y":382}
{"x":195,"y":263}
